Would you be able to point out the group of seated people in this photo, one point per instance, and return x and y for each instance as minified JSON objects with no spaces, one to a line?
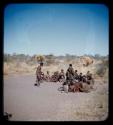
{"x":55,"y":77}
{"x":74,"y":80}
{"x":58,"y":76}
{"x":80,"y":77}
{"x":78,"y":82}
{"x":40,"y":76}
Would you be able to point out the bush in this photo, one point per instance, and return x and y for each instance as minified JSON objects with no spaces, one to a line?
{"x":101,"y":70}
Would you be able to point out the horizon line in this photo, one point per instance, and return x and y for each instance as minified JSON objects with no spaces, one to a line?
{"x":14,"y":53}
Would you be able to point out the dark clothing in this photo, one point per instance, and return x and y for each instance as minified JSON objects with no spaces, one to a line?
{"x":76,"y":75}
{"x":69,"y":76}
{"x":89,"y":77}
{"x":80,"y":78}
{"x":84,"y":79}
{"x":90,"y":80}
{"x":70,"y":73}
{"x":71,"y":70}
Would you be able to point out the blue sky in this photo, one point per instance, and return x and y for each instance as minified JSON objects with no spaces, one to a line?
{"x":59,"y":29}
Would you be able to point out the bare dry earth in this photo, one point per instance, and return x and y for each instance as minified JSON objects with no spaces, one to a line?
{"x":27,"y":102}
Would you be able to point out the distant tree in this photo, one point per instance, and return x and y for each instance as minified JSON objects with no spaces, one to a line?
{"x":50,"y":59}
{"x":107,"y":56}
{"x":14,"y":54}
{"x":5,"y":58}
{"x":67,"y":55}
{"x":97,"y":56}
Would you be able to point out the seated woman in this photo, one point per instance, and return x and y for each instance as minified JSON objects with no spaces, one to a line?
{"x":75,"y":87}
{"x":87,"y":85}
{"x":47,"y":76}
{"x":76,"y":75}
{"x":90,"y":79}
{"x":61,"y":76}
{"x":55,"y":76}
{"x":84,"y":79}
{"x":88,"y":73}
{"x":80,"y":77}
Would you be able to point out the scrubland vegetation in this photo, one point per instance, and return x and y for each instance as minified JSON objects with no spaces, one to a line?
{"x":25,"y":64}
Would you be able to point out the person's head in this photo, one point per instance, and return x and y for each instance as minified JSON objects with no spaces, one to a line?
{"x":70,"y":65}
{"x":47,"y":72}
{"x":41,"y":64}
{"x":88,"y":71}
{"x":75,"y":70}
{"x":80,"y":73}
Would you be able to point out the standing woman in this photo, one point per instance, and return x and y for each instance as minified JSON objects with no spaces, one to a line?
{"x":38,"y":74}
{"x":47,"y":77}
{"x":70,"y":73}
{"x":61,"y":76}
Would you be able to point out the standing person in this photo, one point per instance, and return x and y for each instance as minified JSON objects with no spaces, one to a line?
{"x":70,"y":74}
{"x":39,"y":73}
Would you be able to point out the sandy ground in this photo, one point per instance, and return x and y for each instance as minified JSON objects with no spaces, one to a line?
{"x":27,"y":102}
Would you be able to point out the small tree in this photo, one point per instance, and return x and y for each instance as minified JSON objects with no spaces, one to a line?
{"x":50,"y":59}
{"x":97,"y":56}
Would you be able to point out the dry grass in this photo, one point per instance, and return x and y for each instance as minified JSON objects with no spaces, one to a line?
{"x":98,"y":68}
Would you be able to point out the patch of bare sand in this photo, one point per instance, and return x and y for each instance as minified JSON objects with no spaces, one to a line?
{"x":29,"y":103}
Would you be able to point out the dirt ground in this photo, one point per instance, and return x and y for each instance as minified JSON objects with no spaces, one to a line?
{"x":27,"y":102}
